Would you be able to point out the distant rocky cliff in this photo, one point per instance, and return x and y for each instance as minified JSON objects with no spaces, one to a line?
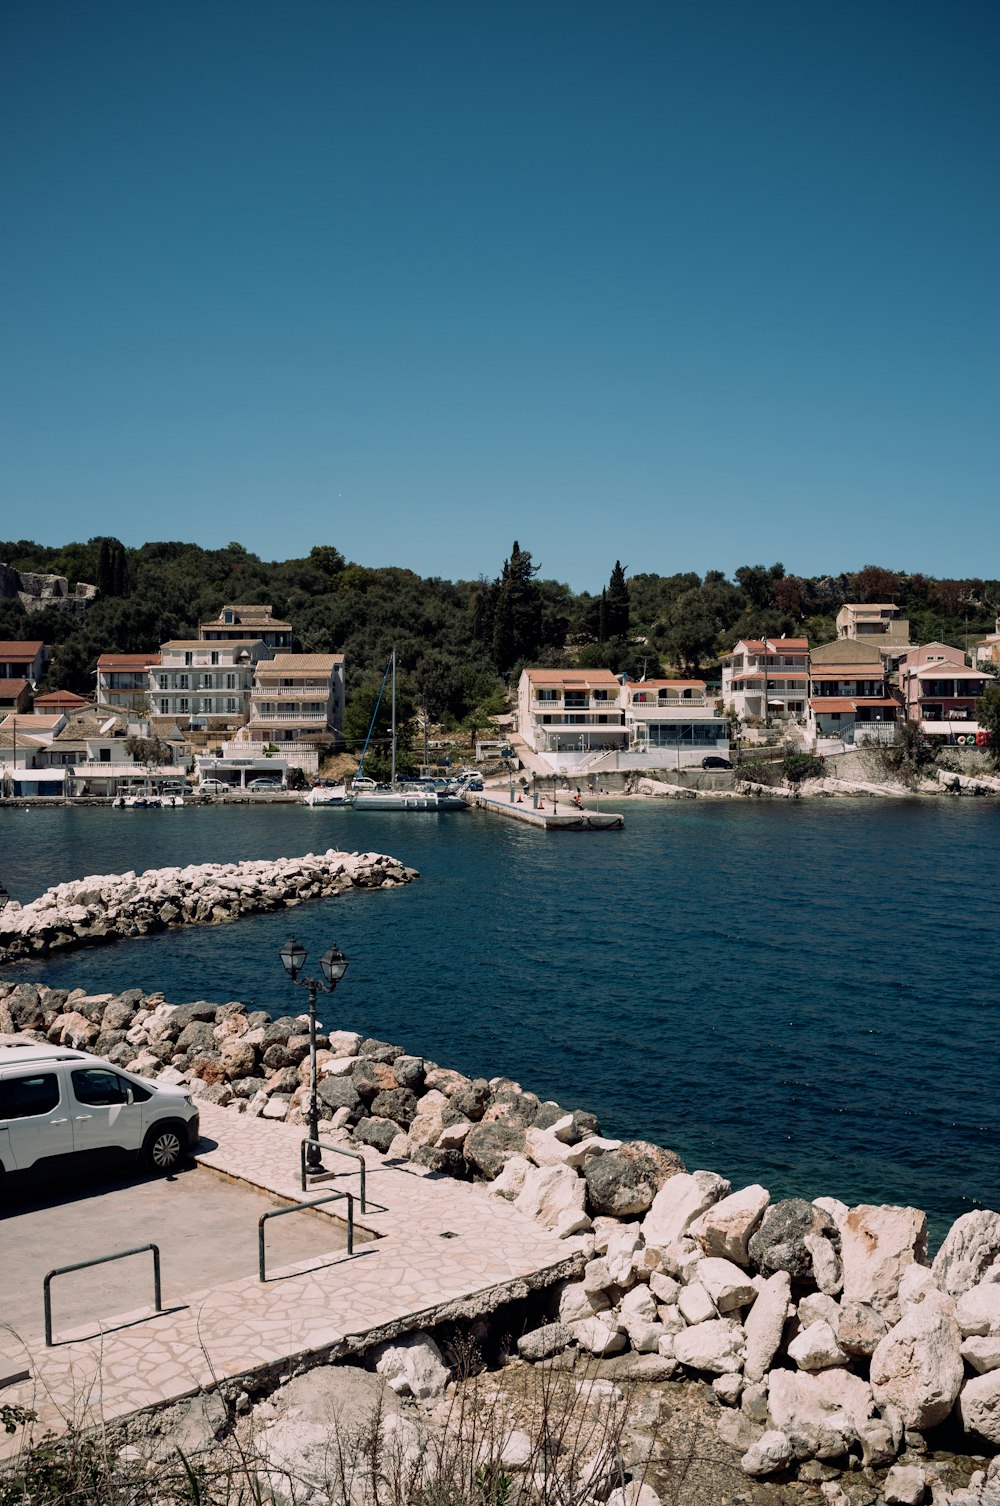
{"x":35,"y":592}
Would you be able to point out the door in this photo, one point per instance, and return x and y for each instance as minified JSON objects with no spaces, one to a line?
{"x":103,"y":1118}
{"x":35,"y":1119}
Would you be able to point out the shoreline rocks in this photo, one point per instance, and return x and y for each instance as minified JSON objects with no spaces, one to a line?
{"x":112,"y":906}
{"x":822,"y":1330}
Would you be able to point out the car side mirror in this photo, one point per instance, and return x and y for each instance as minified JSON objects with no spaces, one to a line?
{"x":129,"y":1097}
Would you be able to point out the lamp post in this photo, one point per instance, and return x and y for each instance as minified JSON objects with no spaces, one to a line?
{"x":334,"y":964}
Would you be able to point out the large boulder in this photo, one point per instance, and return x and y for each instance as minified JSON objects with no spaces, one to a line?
{"x":413,"y":1366}
{"x":876,"y":1246}
{"x":728,"y":1286}
{"x":725,"y":1228}
{"x":549,"y":1193}
{"x":396,"y":1103}
{"x":978,"y":1309}
{"x":787,"y":1239}
{"x":917,"y":1367}
{"x":821,"y":1415}
{"x":625,"y":1182}
{"x":765,"y":1323}
{"x":472,"y":1099}
{"x":488,"y":1147}
{"x":979,"y":1407}
{"x":681,"y":1200}
{"x":339,"y":1093}
{"x":970,"y":1248}
{"x":427,"y":1123}
{"x":715,"y":1347}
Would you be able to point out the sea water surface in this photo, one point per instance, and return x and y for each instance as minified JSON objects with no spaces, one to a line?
{"x":802,"y":994}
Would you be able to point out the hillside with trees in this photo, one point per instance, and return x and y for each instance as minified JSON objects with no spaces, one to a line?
{"x":460,"y":644}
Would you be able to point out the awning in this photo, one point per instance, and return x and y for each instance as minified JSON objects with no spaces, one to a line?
{"x":38,"y":776}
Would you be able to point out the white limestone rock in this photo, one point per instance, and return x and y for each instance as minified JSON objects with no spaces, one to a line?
{"x":510,"y":1182}
{"x":549,"y":1192}
{"x":815,"y":1306}
{"x":452,"y":1136}
{"x":820,"y":1414}
{"x":917,"y":1367}
{"x":635,"y":1493}
{"x":695,"y":1305}
{"x":428,"y":1121}
{"x":770,"y":1455}
{"x":577,"y":1305}
{"x":598,"y":1337}
{"x":624,"y":1244}
{"x":715,"y":1347}
{"x":335,"y":1066}
{"x":728,"y":1286}
{"x":971,"y":1248}
{"x":413,"y":1366}
{"x":664,"y":1288}
{"x":978,"y":1309}
{"x":979,"y":1407}
{"x":816,"y":1348}
{"x":905,"y":1485}
{"x":916,"y":1285}
{"x":593,"y":1145}
{"x":638,"y":1316}
{"x":765,"y":1323}
{"x":545,"y":1149}
{"x":725,"y":1228}
{"x":572,"y":1222}
{"x":596,"y":1276}
{"x":827,"y":1271}
{"x":516,"y":1450}
{"x":860,"y":1329}
{"x":982,"y":1352}
{"x":728,"y":1388}
{"x":877,"y":1244}
{"x":681,"y":1200}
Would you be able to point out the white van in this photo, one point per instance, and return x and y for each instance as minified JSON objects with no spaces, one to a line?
{"x":59,"y":1105}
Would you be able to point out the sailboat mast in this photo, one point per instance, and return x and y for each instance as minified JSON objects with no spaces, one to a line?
{"x":394,"y":718}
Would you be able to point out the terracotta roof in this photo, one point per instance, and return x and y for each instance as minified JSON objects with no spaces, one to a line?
{"x":665,"y":685}
{"x":8,"y":739}
{"x":871,"y":606}
{"x":17,"y":649}
{"x":773,"y":646}
{"x":11,"y":688}
{"x":127,"y":661}
{"x":572,"y":678}
{"x":830,"y":703}
{"x":948,"y":669}
{"x":286,"y":664}
{"x":56,"y":699}
{"x":861,"y":702}
{"x":31,"y":722}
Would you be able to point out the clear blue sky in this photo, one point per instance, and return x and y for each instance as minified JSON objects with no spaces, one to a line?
{"x":689,"y":284}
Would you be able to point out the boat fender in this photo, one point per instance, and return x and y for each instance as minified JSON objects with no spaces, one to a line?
{"x":980,"y":739}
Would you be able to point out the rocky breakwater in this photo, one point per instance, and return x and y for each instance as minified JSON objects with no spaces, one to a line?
{"x":113,"y":906}
{"x":829,"y":1340}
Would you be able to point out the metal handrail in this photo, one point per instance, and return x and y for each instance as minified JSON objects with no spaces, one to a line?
{"x":300,"y":1208}
{"x":338,"y":1150}
{"x":82,"y":1265}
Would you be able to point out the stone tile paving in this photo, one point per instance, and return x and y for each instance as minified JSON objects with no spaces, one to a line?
{"x":408,"y":1277}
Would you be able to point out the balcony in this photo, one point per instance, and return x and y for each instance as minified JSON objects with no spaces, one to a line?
{"x":300,"y":718}
{"x":313,"y":689}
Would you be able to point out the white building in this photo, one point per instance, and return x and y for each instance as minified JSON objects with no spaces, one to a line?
{"x":298,"y":698}
{"x":568,"y":713}
{"x":767,"y":679}
{"x":671,"y":723}
{"x":205,"y":684}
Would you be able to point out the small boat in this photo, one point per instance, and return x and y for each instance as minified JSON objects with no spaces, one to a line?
{"x":399,"y":794}
{"x":327,"y":794}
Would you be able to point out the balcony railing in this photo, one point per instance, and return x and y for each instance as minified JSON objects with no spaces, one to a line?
{"x":314,"y":718}
{"x":314,"y":689}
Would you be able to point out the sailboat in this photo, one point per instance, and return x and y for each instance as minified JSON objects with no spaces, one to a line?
{"x":405,"y":795}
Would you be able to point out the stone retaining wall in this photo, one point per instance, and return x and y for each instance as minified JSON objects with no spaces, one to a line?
{"x":110,"y":906}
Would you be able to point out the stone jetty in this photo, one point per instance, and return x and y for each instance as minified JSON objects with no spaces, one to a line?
{"x":825,"y":1332}
{"x":111,"y":906}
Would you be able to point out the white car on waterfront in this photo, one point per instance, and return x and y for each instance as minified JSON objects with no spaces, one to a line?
{"x":64,"y":1109}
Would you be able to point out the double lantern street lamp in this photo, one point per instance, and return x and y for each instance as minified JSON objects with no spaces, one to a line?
{"x":334,"y":964}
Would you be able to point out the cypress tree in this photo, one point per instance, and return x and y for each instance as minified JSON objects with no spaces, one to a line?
{"x":617,"y":604}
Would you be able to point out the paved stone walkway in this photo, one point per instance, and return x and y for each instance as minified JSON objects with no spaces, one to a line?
{"x":445,"y":1249}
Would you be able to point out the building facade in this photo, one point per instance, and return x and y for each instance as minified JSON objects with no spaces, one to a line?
{"x":767,"y":679}
{"x":298,"y":698}
{"x":205,"y":685}
{"x":248,"y":624}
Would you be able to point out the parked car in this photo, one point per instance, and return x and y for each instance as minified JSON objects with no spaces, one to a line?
{"x":65,"y":1107}
{"x":214,"y":787}
{"x":713,"y":762}
{"x":264,"y":784}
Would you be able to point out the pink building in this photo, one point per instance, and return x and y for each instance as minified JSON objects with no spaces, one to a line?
{"x":939,"y":690}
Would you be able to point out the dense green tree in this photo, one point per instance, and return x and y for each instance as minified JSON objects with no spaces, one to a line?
{"x":517,"y":618}
{"x":617,"y":604}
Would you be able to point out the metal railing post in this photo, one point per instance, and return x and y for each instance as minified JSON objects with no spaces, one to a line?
{"x":337,"y":1150}
{"x":302,"y":1208}
{"x":82,"y":1265}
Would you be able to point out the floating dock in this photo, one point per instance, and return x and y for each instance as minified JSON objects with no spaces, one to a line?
{"x":549,"y":817}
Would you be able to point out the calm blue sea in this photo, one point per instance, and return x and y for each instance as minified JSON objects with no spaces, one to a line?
{"x":805,"y":995}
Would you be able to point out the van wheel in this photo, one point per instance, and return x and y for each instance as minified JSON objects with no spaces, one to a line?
{"x":162,"y":1150}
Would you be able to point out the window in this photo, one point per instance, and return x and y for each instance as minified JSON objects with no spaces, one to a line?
{"x":104,"y":755}
{"x":188,"y":658}
{"x":98,"y":1087}
{"x":230,"y":682}
{"x":164,"y":707}
{"x":213,"y":657}
{"x":183,"y":704}
{"x":231,"y":703}
{"x":29,"y":1097}
{"x":182,"y":682}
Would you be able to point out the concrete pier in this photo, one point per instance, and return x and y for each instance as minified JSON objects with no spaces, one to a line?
{"x":549,"y":817}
